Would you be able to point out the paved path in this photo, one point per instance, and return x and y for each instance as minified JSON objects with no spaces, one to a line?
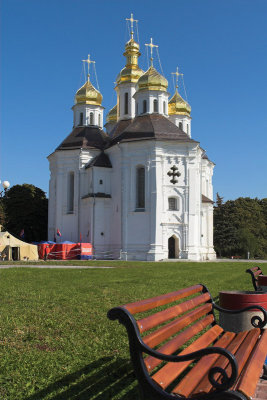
{"x":217,"y":260}
{"x":261,"y":391}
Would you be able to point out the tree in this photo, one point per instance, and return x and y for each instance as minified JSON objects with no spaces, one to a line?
{"x":240,"y":226}
{"x":26,"y":208}
{"x":225,"y":233}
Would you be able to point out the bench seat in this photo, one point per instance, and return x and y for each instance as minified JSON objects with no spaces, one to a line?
{"x":179,"y":351}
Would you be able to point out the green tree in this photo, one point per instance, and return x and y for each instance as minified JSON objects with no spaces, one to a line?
{"x":225,"y":233}
{"x":26,"y":207}
{"x":240,"y":226}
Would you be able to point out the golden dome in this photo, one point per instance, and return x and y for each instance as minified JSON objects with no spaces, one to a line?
{"x":178,"y":106}
{"x":112,"y":115}
{"x":131,"y":72}
{"x":152,"y":80}
{"x":88,"y":94}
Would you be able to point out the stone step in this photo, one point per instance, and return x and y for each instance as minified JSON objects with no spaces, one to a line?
{"x":261,"y":390}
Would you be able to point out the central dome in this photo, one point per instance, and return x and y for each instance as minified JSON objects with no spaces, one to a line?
{"x":88,"y":94}
{"x":152,"y":80}
{"x":131,"y":72}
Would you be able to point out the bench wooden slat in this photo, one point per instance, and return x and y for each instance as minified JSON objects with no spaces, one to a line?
{"x":204,"y":386}
{"x":175,"y":343}
{"x":249,"y":379}
{"x":257,"y":273}
{"x":197,"y":373}
{"x":147,"y":323}
{"x":245,"y":350}
{"x":255,"y":269}
{"x":166,"y":375}
{"x":163,"y":333}
{"x":154,"y":302}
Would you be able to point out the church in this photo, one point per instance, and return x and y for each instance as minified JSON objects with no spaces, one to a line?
{"x":137,"y":187}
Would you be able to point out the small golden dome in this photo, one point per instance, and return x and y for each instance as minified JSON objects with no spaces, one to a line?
{"x":178,"y":106}
{"x":131,"y":72}
{"x":152,"y":80}
{"x":88,"y":94}
{"x":112,"y":115}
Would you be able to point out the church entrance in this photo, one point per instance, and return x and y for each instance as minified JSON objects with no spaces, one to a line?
{"x":173,"y":248}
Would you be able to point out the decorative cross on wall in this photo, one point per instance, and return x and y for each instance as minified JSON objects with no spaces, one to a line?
{"x":173,"y":173}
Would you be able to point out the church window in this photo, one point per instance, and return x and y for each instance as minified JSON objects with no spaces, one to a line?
{"x":81,"y":119}
{"x":91,"y":118}
{"x":140,"y":187}
{"x":70,"y":198}
{"x":144,"y":106}
{"x":187,"y":129}
{"x":101,"y":182}
{"x":172,"y":203}
{"x":155,"y":106}
{"x":99,"y":120}
{"x":164,"y":107}
{"x":181,"y":125}
{"x":126,"y":100}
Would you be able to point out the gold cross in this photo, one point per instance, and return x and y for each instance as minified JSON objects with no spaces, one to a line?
{"x":88,"y":61}
{"x":132,"y":20}
{"x":177,"y":73}
{"x":151,"y":45}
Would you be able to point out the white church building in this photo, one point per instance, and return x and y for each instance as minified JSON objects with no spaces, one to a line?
{"x":140,"y":189}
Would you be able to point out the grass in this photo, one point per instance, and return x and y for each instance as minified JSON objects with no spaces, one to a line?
{"x":55,"y":339}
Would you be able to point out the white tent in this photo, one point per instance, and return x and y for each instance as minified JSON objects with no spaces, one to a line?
{"x":14,"y":249}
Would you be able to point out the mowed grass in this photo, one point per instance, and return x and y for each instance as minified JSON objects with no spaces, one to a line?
{"x":55,"y":339}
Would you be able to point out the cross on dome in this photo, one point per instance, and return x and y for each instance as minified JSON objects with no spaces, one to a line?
{"x":132,"y":20}
{"x":88,"y":61}
{"x":151,"y":45}
{"x":177,"y":73}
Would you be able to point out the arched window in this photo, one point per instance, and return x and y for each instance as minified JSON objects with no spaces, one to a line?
{"x":99,"y":120}
{"x":187,"y":129}
{"x":81,"y":119}
{"x":181,"y":125}
{"x":70,"y":195}
{"x":164,"y":107}
{"x":144,"y":107}
{"x":172,"y":201}
{"x":91,"y":118}
{"x":140,"y":187}
{"x":155,"y":106}
{"x":126,"y":100}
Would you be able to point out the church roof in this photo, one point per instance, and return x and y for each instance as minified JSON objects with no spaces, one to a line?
{"x":149,"y":126}
{"x":101,"y":160}
{"x":205,"y":199}
{"x":85,"y":137}
{"x":120,"y":127}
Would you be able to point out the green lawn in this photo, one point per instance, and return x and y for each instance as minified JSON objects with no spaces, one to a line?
{"x":55,"y":339}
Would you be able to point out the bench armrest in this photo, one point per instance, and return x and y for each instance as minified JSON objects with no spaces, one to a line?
{"x":137,"y":344}
{"x":256,"y":321}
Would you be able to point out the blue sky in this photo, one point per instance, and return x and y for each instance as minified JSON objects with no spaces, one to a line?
{"x":220,"y":46}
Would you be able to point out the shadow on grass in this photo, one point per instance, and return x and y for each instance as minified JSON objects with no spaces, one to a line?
{"x":103,"y":379}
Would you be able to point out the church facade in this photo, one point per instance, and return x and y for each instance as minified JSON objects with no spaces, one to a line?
{"x":140,"y":189}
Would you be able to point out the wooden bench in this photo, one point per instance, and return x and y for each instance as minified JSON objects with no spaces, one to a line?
{"x":179,"y":351}
{"x":255,"y":272}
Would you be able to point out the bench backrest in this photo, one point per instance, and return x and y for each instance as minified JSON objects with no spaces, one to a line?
{"x":255,"y":272}
{"x":174,"y":319}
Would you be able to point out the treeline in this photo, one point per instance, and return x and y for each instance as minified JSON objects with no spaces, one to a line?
{"x":240,"y":227}
{"x":24,"y":212}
